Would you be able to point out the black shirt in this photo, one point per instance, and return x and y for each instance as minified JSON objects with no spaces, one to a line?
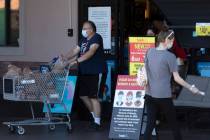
{"x":96,"y":64}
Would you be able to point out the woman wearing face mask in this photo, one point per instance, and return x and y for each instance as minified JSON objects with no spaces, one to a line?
{"x":160,"y":66}
{"x":90,"y":59}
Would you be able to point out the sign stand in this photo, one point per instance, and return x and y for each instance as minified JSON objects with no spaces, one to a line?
{"x":128,"y":113}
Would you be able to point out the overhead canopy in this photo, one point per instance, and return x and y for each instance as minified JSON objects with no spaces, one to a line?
{"x":183,"y":15}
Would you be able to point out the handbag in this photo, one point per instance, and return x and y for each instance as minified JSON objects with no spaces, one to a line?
{"x":142,"y":78}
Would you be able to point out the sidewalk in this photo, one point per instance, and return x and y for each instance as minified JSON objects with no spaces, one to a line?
{"x":81,"y":132}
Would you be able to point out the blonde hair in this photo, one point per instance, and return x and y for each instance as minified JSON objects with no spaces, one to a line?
{"x":163,"y":35}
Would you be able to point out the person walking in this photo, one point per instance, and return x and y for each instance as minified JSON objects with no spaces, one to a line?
{"x":89,"y":56}
{"x":161,"y":65}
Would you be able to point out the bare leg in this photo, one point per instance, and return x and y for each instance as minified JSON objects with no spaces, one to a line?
{"x":87,"y":103}
{"x":96,"y":107}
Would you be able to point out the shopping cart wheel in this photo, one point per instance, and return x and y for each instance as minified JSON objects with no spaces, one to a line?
{"x":51,"y":127}
{"x":11,"y":129}
{"x":20,"y":130}
{"x":69,"y":128}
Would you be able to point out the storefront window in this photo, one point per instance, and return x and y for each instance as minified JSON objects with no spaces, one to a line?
{"x":9,"y":22}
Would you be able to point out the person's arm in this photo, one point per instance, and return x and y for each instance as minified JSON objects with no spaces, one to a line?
{"x":72,"y":53}
{"x":180,"y":81}
{"x":87,"y":55}
{"x":70,"y":56}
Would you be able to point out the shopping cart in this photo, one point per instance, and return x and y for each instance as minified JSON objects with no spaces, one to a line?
{"x":48,"y":88}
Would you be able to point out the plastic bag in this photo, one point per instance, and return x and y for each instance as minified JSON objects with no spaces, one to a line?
{"x":58,"y":64}
{"x":13,"y":71}
{"x":142,"y":78}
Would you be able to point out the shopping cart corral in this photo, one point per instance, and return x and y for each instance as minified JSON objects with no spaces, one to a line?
{"x":50,"y":88}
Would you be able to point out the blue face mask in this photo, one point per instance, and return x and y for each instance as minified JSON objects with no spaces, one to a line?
{"x":84,"y":33}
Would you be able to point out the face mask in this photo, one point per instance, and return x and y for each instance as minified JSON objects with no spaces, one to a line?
{"x":169,"y":45}
{"x":84,"y":33}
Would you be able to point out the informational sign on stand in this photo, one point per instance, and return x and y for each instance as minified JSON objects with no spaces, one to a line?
{"x":202,"y":29}
{"x":127,"y":109}
{"x":138,"y":47}
{"x":101,"y":16}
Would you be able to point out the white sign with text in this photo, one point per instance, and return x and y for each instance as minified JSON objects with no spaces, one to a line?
{"x":101,"y":16}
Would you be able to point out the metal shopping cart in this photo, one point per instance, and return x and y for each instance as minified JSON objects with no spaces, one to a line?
{"x":48,"y":88}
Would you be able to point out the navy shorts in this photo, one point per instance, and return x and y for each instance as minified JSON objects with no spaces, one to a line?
{"x":88,"y":85}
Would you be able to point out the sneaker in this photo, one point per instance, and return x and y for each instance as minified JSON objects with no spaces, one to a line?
{"x":95,"y":126}
{"x":91,"y":120}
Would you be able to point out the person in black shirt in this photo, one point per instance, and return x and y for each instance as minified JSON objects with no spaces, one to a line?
{"x":90,"y":59}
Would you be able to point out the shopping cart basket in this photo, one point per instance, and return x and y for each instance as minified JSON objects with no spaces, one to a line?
{"x":47,"y":88}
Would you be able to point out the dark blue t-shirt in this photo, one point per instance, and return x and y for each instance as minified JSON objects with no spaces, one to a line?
{"x":96,"y":64}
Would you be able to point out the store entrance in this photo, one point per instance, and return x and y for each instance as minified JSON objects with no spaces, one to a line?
{"x":132,"y":22}
{"x":128,"y":18}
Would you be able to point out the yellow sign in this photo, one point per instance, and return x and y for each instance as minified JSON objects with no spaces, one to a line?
{"x":134,"y":66}
{"x":203,"y":29}
{"x":138,"y":47}
{"x":143,"y":40}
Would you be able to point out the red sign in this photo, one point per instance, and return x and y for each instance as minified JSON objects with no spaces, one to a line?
{"x":138,"y":47}
{"x":126,"y":82}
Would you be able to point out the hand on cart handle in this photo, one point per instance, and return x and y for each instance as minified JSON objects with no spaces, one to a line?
{"x":63,"y":58}
{"x":65,"y":61}
{"x":75,"y":62}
